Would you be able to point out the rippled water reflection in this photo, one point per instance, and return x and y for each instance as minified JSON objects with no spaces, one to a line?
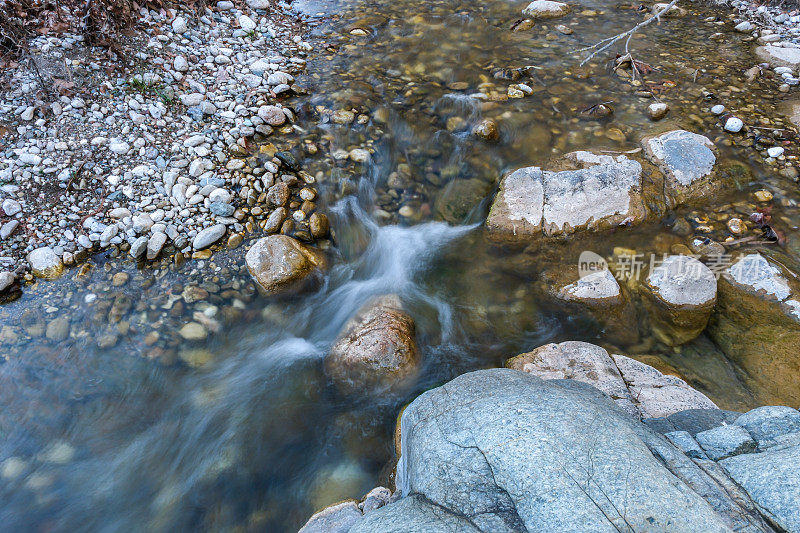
{"x":124,"y":425}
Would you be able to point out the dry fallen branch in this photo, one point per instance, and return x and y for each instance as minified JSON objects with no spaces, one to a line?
{"x":603,"y":45}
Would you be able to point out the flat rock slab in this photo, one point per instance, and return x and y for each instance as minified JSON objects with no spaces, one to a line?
{"x":770,"y":423}
{"x":602,"y":192}
{"x":778,"y":56}
{"x":639,"y":389}
{"x":687,"y":161}
{"x":726,"y":441}
{"x":772,"y":479}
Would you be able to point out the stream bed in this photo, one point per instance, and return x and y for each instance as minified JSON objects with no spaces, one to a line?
{"x":123,"y":424}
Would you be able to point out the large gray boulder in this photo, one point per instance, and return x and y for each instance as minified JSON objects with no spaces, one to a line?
{"x":501,"y":450}
{"x":593,"y":192}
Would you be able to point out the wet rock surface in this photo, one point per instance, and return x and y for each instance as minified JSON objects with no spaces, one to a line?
{"x":687,"y":161}
{"x":280,"y":265}
{"x":376,"y":351}
{"x":478,"y":430}
{"x":682,"y":292}
{"x":601,"y":193}
{"x":757,"y":325}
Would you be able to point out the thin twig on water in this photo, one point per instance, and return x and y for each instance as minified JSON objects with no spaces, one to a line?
{"x":605,"y":44}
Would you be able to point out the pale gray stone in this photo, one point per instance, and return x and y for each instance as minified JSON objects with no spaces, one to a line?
{"x":725,"y":441}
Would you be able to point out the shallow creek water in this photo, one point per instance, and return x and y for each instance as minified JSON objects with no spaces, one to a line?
{"x":126,"y":426}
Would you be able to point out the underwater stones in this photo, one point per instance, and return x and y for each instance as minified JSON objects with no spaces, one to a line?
{"x":193,"y":331}
{"x":458,"y":198}
{"x":487,"y":130}
{"x":545,"y":9}
{"x":45,"y":263}
{"x":376,"y":350}
{"x":756,"y":324}
{"x":597,"y":192}
{"x":686,"y":159}
{"x":281,"y":265}
{"x":778,"y":56}
{"x":682,"y":292}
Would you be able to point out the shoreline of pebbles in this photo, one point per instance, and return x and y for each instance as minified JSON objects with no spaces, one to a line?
{"x":156,"y":157}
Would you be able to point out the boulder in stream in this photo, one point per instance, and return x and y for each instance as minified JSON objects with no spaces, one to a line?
{"x":756,"y":324}
{"x":502,"y":450}
{"x":681,"y":293}
{"x":687,"y":161}
{"x":376,"y":350}
{"x":281,"y":265}
{"x":545,"y":9}
{"x":602,"y":296}
{"x":592,"y":192}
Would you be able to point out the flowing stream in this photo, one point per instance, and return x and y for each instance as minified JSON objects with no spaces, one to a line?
{"x":125,"y":426}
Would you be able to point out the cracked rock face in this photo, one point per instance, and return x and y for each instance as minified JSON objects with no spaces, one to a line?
{"x":598,"y":192}
{"x":501,"y":450}
{"x":639,"y":389}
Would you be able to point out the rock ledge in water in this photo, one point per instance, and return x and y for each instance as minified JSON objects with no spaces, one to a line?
{"x":596,"y":192}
